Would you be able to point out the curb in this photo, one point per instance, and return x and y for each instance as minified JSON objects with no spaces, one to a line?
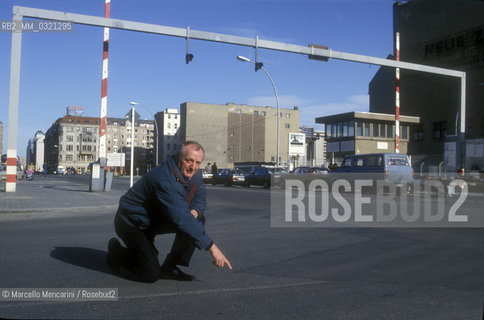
{"x":32,"y":210}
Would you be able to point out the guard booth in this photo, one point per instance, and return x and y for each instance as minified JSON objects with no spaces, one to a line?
{"x":100,"y":178}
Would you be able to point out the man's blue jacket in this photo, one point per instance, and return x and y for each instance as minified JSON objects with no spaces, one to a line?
{"x":164,"y":192}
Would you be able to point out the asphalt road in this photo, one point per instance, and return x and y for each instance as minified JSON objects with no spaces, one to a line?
{"x":279,"y":273}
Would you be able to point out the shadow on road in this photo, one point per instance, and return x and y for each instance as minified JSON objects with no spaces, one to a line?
{"x":83,"y":257}
{"x":88,"y":258}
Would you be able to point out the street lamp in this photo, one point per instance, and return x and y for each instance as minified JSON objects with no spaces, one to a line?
{"x":131,"y":168}
{"x":156,"y":125}
{"x":258,"y":65}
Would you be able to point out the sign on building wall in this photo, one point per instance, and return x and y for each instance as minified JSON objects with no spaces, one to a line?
{"x":116,"y":159}
{"x":297,"y":144}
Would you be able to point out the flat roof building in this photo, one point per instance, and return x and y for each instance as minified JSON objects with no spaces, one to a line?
{"x":364,"y":132}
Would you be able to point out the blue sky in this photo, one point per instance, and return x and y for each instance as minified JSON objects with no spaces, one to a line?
{"x":63,"y":69}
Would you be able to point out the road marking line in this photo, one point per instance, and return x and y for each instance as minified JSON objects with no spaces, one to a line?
{"x":212,"y":291}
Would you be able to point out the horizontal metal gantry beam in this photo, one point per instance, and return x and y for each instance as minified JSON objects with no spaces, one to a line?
{"x":224,"y":38}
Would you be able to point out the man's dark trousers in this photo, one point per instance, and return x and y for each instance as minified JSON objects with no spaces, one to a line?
{"x":141,"y":256}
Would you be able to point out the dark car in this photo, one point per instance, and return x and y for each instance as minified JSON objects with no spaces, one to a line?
{"x":223,"y":176}
{"x":306,"y":175}
{"x":263,"y":176}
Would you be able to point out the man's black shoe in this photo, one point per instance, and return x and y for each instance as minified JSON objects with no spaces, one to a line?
{"x":113,"y":257}
{"x":174,"y":273}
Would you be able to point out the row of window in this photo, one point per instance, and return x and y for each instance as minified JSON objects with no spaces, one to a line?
{"x":263,"y":113}
{"x":83,"y":129}
{"x":364,"y":129}
{"x":80,"y":158}
{"x":128,"y":129}
{"x":70,"y":147}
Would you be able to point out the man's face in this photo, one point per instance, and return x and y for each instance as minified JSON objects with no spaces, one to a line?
{"x":190,"y":161}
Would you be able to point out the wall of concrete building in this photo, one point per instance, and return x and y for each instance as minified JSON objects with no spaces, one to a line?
{"x":206,"y":124}
{"x":237,"y":133}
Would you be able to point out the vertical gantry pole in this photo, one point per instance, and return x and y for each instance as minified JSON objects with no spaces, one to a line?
{"x":397,"y":94}
{"x":104,"y":87}
{"x":462,"y":130}
{"x":11,"y":178}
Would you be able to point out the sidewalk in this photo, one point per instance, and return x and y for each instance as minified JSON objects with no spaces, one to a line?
{"x":40,"y":195}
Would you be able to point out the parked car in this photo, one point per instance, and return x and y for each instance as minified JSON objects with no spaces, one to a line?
{"x":238,"y":177}
{"x":228,"y":177}
{"x":263,"y":176}
{"x":305,"y":174}
{"x":223,"y":176}
{"x":60,"y":170}
{"x":207,"y":177}
{"x":3,"y":172}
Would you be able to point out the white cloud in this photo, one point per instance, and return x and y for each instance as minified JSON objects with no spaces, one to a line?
{"x":310,"y":109}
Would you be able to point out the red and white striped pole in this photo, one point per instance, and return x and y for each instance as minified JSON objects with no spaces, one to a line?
{"x":397,"y":95}
{"x":104,"y":87}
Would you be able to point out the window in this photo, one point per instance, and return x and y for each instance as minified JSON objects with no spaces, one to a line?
{"x":263,"y":113}
{"x":390,"y":130}
{"x":287,"y":125}
{"x":239,"y":111}
{"x":351,"y":129}
{"x":440,"y":130}
{"x":68,"y":157}
{"x":69,"y":138}
{"x":256,"y":113}
{"x":169,"y":125}
{"x":418,"y":132}
{"x":288,"y":115}
{"x":359,"y":162}
{"x":345,"y":129}
{"x":404,"y":132}
{"x":231,"y":134}
{"x":248,"y":147}
{"x":359,"y":129}
{"x":328,"y":130}
{"x":367,"y":129}
{"x":382,"y":130}
{"x":69,"y":147}
{"x":340,"y":130}
{"x":376,"y":130}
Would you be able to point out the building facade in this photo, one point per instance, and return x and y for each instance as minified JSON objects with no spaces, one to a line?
{"x":448,"y":34}
{"x":119,"y":140}
{"x":35,"y":151}
{"x":315,"y":147}
{"x":238,"y":133}
{"x":72,"y":142}
{"x":364,"y":132}
{"x":168,"y":123}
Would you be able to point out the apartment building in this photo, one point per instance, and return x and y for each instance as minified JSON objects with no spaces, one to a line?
{"x":72,"y":142}
{"x":168,"y":123}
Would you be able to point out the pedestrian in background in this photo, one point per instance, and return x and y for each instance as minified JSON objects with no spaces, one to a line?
{"x":214,"y":168}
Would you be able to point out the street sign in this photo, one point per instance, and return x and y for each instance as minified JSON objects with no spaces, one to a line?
{"x":116,"y":159}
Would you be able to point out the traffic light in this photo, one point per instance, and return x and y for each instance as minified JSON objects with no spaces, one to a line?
{"x":188,"y":57}
{"x":258,"y":65}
